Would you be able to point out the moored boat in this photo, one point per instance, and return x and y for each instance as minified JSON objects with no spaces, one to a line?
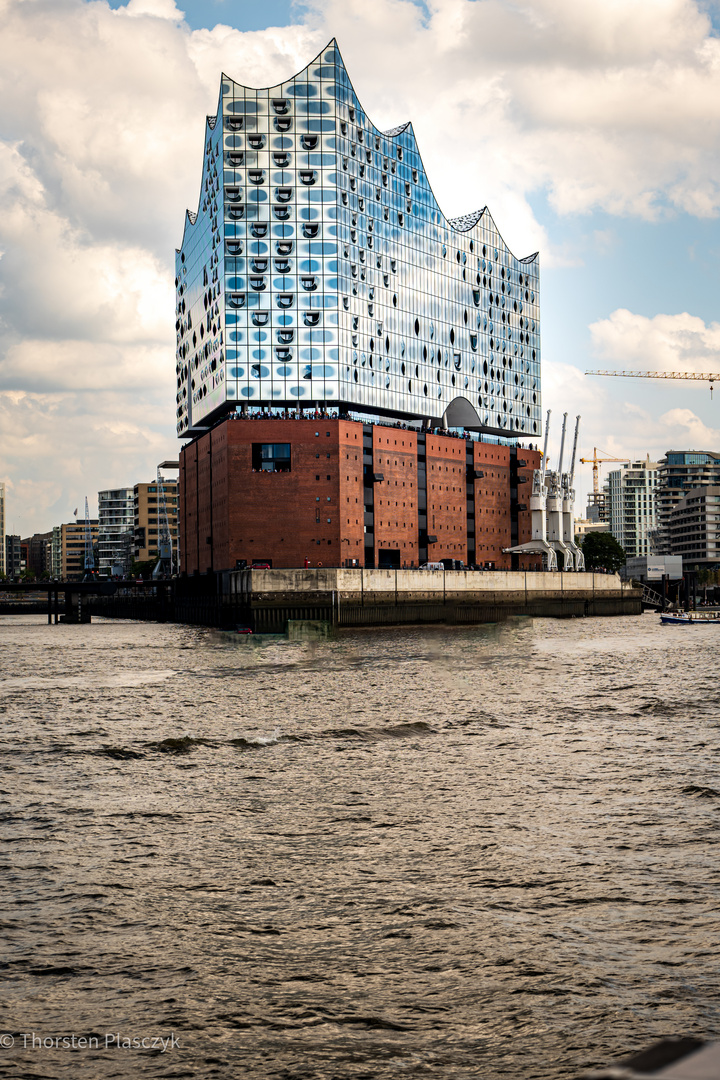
{"x":689,"y":617}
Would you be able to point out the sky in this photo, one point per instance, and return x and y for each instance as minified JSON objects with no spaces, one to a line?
{"x":591,"y":131}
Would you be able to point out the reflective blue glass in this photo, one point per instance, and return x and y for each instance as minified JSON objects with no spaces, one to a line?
{"x":323,"y":231}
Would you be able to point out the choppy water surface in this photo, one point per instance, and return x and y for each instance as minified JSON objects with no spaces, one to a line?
{"x":478,"y":852}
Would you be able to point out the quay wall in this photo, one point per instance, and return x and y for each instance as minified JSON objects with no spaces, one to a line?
{"x":266,"y":599}
{"x":419,"y":584}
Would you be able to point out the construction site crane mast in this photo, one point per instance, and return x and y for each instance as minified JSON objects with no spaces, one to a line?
{"x":596,"y":462}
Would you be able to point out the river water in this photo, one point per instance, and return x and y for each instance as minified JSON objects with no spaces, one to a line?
{"x":468,"y":852}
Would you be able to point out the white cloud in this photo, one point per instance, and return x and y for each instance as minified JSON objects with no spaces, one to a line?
{"x":682,"y":342}
{"x":687,"y":431}
{"x":77,"y":443}
{"x":257,"y":58}
{"x":57,"y":366}
{"x":161,"y":9}
{"x":610,"y":104}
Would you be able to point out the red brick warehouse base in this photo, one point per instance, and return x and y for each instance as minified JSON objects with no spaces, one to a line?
{"x":332,"y":491}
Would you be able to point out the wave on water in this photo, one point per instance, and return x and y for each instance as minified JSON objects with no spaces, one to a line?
{"x":114,"y":679}
{"x":119,"y":753}
{"x":701,"y":792}
{"x":182,"y":745}
{"x":255,"y":742}
{"x":187,"y":743}
{"x":376,"y":734}
{"x":370,"y":734}
{"x":464,"y":858}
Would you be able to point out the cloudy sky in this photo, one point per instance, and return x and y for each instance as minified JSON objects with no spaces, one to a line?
{"x":590,"y":128}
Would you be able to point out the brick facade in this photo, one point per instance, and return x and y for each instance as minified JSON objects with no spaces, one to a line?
{"x":492,"y":504}
{"x":533,"y":460}
{"x":395,"y":503}
{"x":447,"y":497}
{"x":348,"y":491}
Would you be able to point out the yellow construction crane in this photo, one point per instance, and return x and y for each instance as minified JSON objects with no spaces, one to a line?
{"x":709,"y":377}
{"x":596,"y":462}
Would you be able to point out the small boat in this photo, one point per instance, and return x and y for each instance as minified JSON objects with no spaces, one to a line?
{"x":688,"y":617}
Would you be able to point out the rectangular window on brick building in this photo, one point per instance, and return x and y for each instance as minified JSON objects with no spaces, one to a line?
{"x":271,"y":457}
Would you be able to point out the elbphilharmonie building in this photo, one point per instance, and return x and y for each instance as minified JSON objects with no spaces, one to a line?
{"x":319,"y":271}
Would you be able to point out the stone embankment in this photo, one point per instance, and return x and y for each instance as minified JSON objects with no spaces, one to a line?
{"x":267,"y":599}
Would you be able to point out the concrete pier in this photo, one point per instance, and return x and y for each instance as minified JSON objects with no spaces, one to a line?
{"x":267,"y":599}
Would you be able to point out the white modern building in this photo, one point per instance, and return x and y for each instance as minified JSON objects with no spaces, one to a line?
{"x":632,"y":506}
{"x":116,"y":523}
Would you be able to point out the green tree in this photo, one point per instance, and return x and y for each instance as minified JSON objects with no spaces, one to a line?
{"x":602,"y":552}
{"x":144,"y":568}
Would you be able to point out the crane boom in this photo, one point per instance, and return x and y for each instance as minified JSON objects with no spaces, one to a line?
{"x":574,"y":450}
{"x":697,"y":376}
{"x":694,"y":376}
{"x":547,"y":432}
{"x":562,"y":444}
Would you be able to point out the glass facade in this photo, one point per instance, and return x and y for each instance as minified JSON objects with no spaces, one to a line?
{"x":115,"y":530}
{"x":692,"y":458}
{"x":680,"y":471}
{"x":320,"y":270}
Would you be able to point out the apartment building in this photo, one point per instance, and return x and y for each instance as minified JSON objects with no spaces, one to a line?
{"x":633,"y":514}
{"x":148,"y":517}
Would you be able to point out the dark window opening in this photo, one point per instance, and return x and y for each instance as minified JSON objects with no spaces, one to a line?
{"x":389,"y":558}
{"x":271,"y":457}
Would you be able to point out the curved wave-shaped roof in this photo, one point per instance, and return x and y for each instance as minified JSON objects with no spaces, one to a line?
{"x":392,"y":132}
{"x":466,"y":221}
{"x":191,"y":216}
{"x":460,"y":224}
{"x":463,"y":223}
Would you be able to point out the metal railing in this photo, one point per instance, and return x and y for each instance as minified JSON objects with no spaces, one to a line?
{"x":652,"y":598}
